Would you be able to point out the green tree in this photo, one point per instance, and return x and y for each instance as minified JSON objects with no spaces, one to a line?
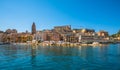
{"x":118,"y":32}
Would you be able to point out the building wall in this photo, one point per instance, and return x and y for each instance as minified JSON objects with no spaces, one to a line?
{"x":103,"y":33}
{"x":86,"y":38}
{"x":62,"y":28}
{"x":1,"y":37}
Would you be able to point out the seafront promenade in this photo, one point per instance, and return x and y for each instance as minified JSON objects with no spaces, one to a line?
{"x":65,"y":44}
{"x":61,"y":43}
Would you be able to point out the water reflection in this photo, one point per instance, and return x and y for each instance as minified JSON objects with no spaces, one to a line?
{"x":9,"y":52}
{"x":33,"y":54}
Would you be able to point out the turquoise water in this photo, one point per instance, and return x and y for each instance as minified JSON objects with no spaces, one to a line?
{"x":60,"y":58}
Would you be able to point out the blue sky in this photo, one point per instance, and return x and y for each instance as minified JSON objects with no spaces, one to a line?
{"x":93,"y":14}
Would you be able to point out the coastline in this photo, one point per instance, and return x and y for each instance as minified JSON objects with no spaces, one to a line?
{"x":62,"y":44}
{"x":65,"y":44}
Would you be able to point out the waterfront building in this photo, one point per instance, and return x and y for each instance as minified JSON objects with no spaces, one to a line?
{"x":1,"y":37}
{"x":87,"y":31}
{"x":38,"y":36}
{"x":85,"y":35}
{"x":55,"y":36}
{"x":103,"y":36}
{"x":45,"y":36}
{"x":118,"y":38}
{"x":48,"y":35}
{"x":11,"y":37}
{"x":9,"y":31}
{"x":69,"y":37}
{"x":103,"y":33}
{"x":72,"y":38}
{"x":24,"y":37}
{"x":86,"y":38}
{"x":76,"y":30}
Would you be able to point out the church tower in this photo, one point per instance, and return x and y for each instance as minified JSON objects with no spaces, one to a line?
{"x":33,"y":28}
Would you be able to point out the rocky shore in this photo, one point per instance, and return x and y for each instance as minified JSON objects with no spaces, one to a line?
{"x":65,"y":44}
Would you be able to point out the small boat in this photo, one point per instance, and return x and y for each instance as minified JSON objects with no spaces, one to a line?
{"x":95,"y":43}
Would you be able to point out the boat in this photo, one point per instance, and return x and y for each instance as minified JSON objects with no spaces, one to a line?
{"x":95,"y":43}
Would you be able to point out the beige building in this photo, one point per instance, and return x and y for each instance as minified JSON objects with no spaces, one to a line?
{"x":63,"y":29}
{"x":103,"y":33}
{"x":1,"y":37}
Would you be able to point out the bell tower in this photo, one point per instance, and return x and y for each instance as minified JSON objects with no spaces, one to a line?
{"x":33,"y":28}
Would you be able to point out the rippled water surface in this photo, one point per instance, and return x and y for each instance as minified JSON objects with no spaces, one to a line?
{"x":59,"y":58}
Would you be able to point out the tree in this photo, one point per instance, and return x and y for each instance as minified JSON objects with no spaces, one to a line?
{"x":118,"y":32}
{"x":116,"y":35}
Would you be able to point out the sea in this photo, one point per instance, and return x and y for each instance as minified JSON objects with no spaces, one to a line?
{"x":26,"y":57}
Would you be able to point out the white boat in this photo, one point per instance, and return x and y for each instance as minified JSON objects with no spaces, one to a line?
{"x":95,"y":43}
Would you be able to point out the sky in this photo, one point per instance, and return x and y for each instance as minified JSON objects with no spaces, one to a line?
{"x":91,"y":14}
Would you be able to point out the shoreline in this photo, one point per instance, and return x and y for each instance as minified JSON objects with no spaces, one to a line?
{"x":62,"y":44}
